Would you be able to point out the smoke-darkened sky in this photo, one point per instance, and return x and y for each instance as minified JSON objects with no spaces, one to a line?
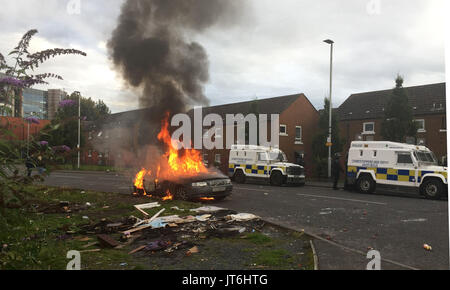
{"x":274,"y":49}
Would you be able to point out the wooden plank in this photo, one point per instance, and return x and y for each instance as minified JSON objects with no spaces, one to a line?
{"x":146,"y":226}
{"x":136,"y":250}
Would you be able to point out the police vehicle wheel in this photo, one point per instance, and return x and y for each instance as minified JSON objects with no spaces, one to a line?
{"x":239,"y":176}
{"x":276,"y":179}
{"x":432,"y":188}
{"x":365,"y":184}
{"x":181,"y":194}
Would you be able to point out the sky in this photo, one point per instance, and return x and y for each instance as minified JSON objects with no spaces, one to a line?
{"x":276,"y":50}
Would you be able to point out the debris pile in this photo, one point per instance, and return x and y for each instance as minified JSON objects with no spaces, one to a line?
{"x":172,"y":233}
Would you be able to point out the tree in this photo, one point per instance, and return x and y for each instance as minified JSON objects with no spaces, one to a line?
{"x":398,"y":122}
{"x":63,"y":129}
{"x":18,"y":76}
{"x":319,"y":149}
{"x":13,"y":190}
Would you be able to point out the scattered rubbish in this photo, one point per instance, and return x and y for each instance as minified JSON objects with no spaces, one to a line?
{"x":123,"y":264}
{"x":90,"y":245}
{"x":266,"y":193}
{"x":167,"y":233}
{"x":83,"y":192}
{"x":82,"y":239}
{"x":141,"y":207}
{"x":242,"y":217}
{"x":107,"y":242}
{"x":203,"y":218}
{"x":230,"y":231}
{"x":177,"y":208}
{"x":427,"y":247}
{"x":145,"y":226}
{"x":148,"y":205}
{"x":137,"y":250}
{"x":85,"y":217}
{"x":207,"y":209}
{"x":88,"y":204}
{"x":193,"y":250}
{"x":114,"y":225}
{"x":157,"y":246}
{"x":158,"y":223}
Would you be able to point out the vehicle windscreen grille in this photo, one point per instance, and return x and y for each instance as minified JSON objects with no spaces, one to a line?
{"x":296,"y":171}
{"x":217,"y":182}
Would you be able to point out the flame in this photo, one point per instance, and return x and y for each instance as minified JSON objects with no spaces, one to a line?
{"x":139,"y":180}
{"x":190,"y":163}
{"x":207,"y":198}
{"x":173,"y":163}
{"x":168,"y":196}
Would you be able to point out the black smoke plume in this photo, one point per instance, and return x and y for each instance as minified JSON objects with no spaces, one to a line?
{"x":152,"y":48}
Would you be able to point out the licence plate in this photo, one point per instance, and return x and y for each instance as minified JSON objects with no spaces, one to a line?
{"x":217,"y":189}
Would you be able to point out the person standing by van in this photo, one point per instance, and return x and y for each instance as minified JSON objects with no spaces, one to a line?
{"x":336,"y":169}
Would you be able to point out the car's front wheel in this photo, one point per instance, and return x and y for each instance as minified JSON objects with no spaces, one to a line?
{"x":432,"y":188}
{"x":365,"y":184}
{"x":276,"y":179}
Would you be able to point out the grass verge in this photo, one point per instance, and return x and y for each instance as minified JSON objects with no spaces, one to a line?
{"x":37,"y":240}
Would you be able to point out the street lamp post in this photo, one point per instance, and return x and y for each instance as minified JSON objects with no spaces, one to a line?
{"x":79,"y":128}
{"x":331,"y":42}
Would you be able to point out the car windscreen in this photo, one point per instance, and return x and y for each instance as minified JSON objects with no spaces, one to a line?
{"x":423,"y":156}
{"x":277,"y":156}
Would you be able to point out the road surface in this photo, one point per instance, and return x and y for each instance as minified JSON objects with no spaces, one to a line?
{"x":347,"y":224}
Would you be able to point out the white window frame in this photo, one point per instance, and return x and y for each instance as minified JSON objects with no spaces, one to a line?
{"x":299,"y":141}
{"x":368,"y":132}
{"x":285,"y":130}
{"x":421,"y":130}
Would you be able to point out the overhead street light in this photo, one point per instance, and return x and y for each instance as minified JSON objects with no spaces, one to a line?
{"x":79,"y":128}
{"x":331,"y":42}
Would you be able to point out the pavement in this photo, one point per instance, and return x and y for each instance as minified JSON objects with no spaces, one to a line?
{"x":345,"y":225}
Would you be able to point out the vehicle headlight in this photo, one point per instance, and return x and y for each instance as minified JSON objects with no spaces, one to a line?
{"x":199,"y":184}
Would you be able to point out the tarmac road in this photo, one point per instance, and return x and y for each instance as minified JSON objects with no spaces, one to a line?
{"x":346,"y":224}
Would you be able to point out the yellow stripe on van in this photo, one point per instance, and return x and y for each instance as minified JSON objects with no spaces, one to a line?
{"x":392,"y":171}
{"x":382,"y":176}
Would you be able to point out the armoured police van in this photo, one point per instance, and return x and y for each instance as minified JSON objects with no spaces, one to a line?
{"x":395,"y":164}
{"x":249,"y":162}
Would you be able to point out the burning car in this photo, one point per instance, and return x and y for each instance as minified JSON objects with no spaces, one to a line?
{"x":180,"y":174}
{"x":209,"y":186}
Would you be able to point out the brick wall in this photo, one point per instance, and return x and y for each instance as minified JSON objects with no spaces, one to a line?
{"x":19,"y":127}
{"x":435,"y":134}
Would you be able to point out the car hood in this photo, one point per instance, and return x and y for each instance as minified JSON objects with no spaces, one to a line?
{"x":210,"y":175}
{"x":285,"y":164}
{"x":432,"y":168}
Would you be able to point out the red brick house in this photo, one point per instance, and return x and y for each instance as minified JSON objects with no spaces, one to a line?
{"x":298,"y":124}
{"x":361,"y":115}
{"x":123,"y":135}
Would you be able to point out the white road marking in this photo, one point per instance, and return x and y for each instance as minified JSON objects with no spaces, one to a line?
{"x":414,"y":220}
{"x":321,"y":196}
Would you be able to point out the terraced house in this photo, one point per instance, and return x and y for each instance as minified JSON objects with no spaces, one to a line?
{"x":361,"y":115}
